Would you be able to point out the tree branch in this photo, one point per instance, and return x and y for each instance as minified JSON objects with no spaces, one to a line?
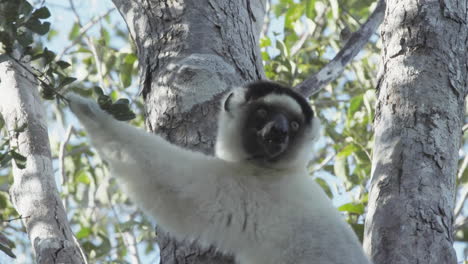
{"x":83,"y":31}
{"x":34,"y":193}
{"x":336,"y":66}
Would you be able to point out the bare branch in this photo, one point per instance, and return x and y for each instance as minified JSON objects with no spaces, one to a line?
{"x":34,"y":193}
{"x":298,"y":45}
{"x":62,"y":151}
{"x":336,"y":66}
{"x":83,"y":31}
{"x":91,"y":45}
{"x":461,"y":202}
{"x":460,"y":224}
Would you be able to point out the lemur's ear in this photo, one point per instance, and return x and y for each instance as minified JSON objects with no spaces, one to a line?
{"x":227,"y":102}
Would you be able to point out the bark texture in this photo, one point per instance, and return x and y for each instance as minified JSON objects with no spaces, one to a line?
{"x":190,"y":53}
{"x":34,"y":193}
{"x":418,"y":126}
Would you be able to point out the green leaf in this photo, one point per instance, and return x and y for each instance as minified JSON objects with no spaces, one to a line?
{"x":282,"y":48}
{"x":74,"y":32}
{"x":47,"y":92}
{"x":4,"y":160}
{"x":52,"y":33}
{"x":67,"y":81}
{"x":104,"y":101}
{"x":464,"y":177}
{"x":83,"y":177}
{"x":20,"y":160}
{"x":37,"y":27}
{"x":462,"y":235}
{"x":359,"y":230}
{"x":6,"y":40}
{"x":98,"y":90}
{"x":25,"y":8}
{"x":48,"y":55}
{"x":122,"y":101}
{"x":125,"y":116}
{"x":324,"y":186}
{"x":7,"y":250}
{"x":265,"y":42}
{"x":126,"y":74}
{"x":25,"y":38}
{"x":293,"y":14}
{"x":16,"y":156}
{"x":369,"y":102}
{"x":41,"y":13}
{"x":104,"y":248}
{"x":3,"y":201}
{"x":126,"y":69}
{"x":310,"y":9}
{"x":340,"y":168}
{"x":348,"y":150}
{"x":352,"y":208}
{"x":105,"y":37}
{"x":84,"y":232}
{"x":355,"y":105}
{"x":63,"y":64}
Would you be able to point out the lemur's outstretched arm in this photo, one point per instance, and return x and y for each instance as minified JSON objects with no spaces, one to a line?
{"x":162,"y":178}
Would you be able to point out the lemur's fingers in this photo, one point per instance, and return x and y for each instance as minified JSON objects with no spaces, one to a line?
{"x":86,"y":110}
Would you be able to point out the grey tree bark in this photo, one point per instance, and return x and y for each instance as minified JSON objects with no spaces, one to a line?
{"x":34,"y":193}
{"x":418,"y":126}
{"x":190,"y":53}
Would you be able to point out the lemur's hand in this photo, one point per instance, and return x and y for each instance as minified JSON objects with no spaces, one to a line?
{"x":87,"y":111}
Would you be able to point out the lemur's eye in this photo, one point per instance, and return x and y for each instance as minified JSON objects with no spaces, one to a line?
{"x":261,"y":112}
{"x":294,"y":125}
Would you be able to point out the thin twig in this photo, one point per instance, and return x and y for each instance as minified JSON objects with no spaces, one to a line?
{"x":83,"y":31}
{"x":15,"y":219}
{"x":323,"y":163}
{"x":461,"y":202}
{"x":464,"y":193}
{"x":460,"y":224}
{"x":336,"y":66}
{"x":297,"y":46}
{"x":462,"y":167}
{"x":90,"y":44}
{"x":62,"y":153}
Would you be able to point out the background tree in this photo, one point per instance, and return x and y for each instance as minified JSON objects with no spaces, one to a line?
{"x":418,"y":130}
{"x":187,"y":55}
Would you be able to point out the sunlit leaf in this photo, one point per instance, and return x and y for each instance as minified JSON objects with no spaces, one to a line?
{"x":352,"y":208}
{"x":310,"y":9}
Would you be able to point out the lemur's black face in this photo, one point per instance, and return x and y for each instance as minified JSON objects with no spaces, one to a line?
{"x":268,"y":124}
{"x":270,"y":131}
{"x":274,"y":121}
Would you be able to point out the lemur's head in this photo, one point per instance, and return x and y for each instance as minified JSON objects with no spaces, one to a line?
{"x":267,"y":124}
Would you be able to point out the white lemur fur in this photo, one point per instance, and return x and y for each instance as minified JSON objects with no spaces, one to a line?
{"x":262,"y":207}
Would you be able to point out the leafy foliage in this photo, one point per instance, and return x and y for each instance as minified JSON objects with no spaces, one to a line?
{"x":310,"y":37}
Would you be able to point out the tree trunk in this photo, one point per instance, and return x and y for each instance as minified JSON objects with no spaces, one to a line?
{"x":190,"y":53}
{"x":418,"y":126}
{"x":34,"y":193}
